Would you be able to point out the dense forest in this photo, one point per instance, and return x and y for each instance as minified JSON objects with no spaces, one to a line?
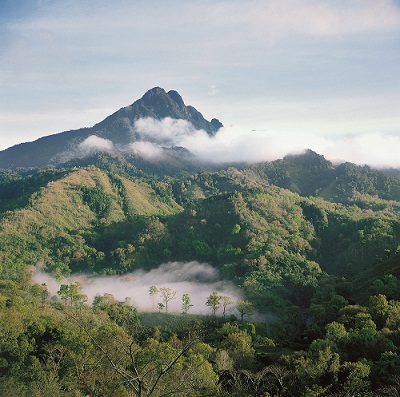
{"x":313,"y":247}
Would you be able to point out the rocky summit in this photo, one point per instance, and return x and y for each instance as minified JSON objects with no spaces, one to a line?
{"x":118,"y":128}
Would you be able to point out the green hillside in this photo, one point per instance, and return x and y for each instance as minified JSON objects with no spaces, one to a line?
{"x":54,"y":225}
{"x":273,"y":242}
{"x":313,"y":248}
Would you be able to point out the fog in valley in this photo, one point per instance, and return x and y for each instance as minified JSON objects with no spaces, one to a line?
{"x":198,"y":280}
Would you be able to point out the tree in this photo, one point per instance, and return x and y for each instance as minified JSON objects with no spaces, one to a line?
{"x":167,"y":295}
{"x":120,"y":312}
{"x":72,"y":292}
{"x":39,"y":292}
{"x":239,"y":345}
{"x":186,"y":305}
{"x":244,"y":308}
{"x":379,"y":309}
{"x":393,"y":318}
{"x":64,"y":292}
{"x":214,"y":301}
{"x":45,"y":293}
{"x":151,"y":368}
{"x":356,"y":377}
{"x":153,"y":291}
{"x":225,"y":302}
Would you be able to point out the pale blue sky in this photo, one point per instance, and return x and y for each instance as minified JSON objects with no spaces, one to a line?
{"x":313,"y":72}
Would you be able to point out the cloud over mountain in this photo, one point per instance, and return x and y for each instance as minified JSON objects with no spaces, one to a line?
{"x":233,"y":144}
{"x":166,"y":130}
{"x":93,"y":144}
{"x":160,"y":121}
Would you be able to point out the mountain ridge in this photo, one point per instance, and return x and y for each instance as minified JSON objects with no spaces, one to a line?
{"x":119,"y":128}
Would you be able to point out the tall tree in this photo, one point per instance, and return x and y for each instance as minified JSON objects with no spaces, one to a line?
{"x":39,"y":292}
{"x":186,"y":305}
{"x":225,"y":302}
{"x":153,"y":291}
{"x":72,"y":293}
{"x":150,"y":368}
{"x":379,"y":309}
{"x":214,"y":301}
{"x":167,"y":295}
{"x":244,"y":308}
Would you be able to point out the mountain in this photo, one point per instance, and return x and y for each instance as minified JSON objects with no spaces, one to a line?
{"x":118,"y":128}
{"x":310,"y":174}
{"x":312,"y":246}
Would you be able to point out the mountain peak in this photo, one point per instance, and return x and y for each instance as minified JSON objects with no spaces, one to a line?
{"x":158,"y":104}
{"x":174,"y":95}
{"x":157,"y":93}
{"x":153,"y":93}
{"x":118,"y":129}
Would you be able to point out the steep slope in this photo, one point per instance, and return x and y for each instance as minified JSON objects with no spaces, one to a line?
{"x":155,"y":103}
{"x":60,"y":217}
{"x":119,"y":128}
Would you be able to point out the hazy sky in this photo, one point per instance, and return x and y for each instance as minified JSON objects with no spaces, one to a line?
{"x":322,"y":72}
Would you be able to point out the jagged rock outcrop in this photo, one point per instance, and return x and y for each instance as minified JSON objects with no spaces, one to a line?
{"x":119,"y":128}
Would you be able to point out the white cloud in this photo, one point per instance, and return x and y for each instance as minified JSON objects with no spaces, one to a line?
{"x":167,"y":130}
{"x":93,"y":144}
{"x":375,"y":148}
{"x":323,"y":18}
{"x":276,"y":17}
{"x":147,"y":150}
{"x":233,"y":144}
{"x":213,"y":90}
{"x":59,"y":62}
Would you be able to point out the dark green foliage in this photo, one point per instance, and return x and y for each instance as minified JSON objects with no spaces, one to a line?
{"x":16,"y":190}
{"x":68,"y":350}
{"x":97,"y":201}
{"x":322,"y":275}
{"x":305,"y":174}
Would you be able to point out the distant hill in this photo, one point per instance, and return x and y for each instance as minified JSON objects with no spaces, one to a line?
{"x":310,"y":174}
{"x":118,"y":128}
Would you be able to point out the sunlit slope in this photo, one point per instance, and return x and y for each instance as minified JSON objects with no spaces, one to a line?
{"x":69,"y":208}
{"x":143,"y":199}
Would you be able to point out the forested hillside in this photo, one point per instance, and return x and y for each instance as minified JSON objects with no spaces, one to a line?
{"x":313,"y":247}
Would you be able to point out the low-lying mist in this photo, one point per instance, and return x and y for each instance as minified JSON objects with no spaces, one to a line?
{"x":198,"y":280}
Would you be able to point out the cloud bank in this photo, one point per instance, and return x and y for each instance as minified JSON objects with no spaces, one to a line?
{"x":198,"y":280}
{"x":145,"y":149}
{"x":93,"y":144}
{"x":233,"y":144}
{"x":167,"y":131}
